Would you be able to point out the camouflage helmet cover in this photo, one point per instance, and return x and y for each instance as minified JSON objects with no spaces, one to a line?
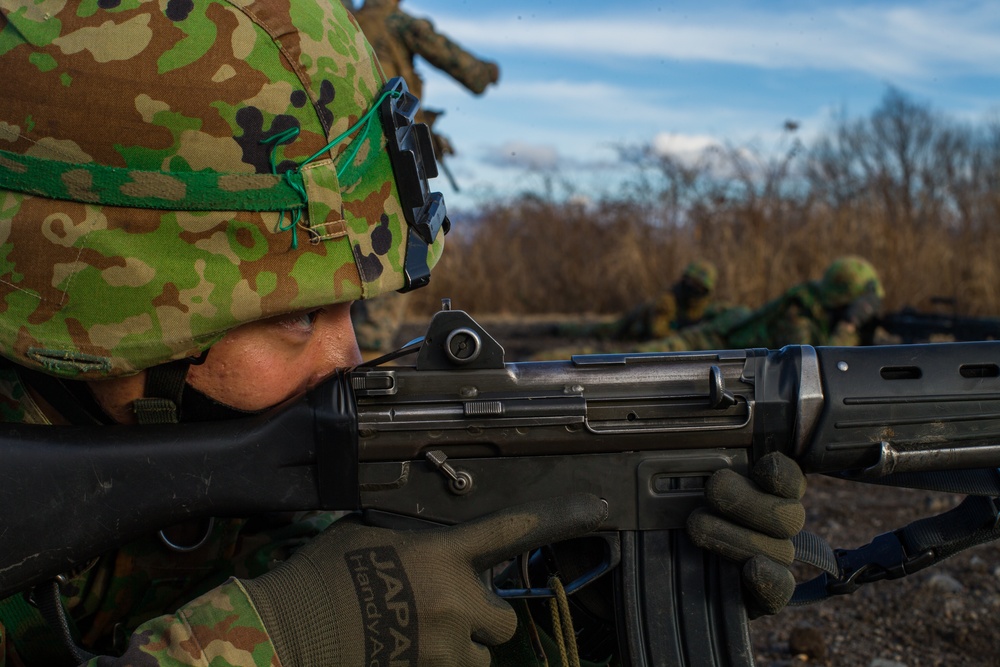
{"x":702,"y":274}
{"x":848,"y":278}
{"x":132,"y":137}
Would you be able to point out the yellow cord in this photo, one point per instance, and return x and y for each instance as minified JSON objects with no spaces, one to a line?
{"x":562,"y":625}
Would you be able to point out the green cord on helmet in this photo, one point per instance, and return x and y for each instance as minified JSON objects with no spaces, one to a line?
{"x":170,"y":171}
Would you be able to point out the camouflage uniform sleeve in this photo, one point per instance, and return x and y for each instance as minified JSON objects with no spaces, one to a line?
{"x":844,"y":333}
{"x":221,"y":628}
{"x":796,"y":328}
{"x":663,"y":316}
{"x":420,"y":37}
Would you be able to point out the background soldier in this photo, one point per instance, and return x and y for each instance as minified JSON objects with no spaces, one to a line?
{"x":398,"y":39}
{"x":686,"y":303}
{"x":842,"y":308}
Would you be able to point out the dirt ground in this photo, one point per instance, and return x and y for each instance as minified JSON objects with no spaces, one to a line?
{"x":942,"y":616}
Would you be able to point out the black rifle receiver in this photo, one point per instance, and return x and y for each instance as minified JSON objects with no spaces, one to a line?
{"x":461,"y":433}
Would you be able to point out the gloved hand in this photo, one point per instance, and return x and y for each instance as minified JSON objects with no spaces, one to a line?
{"x":864,"y":309}
{"x":752,"y":521}
{"x":359,"y":595}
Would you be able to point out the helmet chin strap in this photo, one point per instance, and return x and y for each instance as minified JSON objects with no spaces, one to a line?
{"x":169,"y":399}
{"x":164,"y":393}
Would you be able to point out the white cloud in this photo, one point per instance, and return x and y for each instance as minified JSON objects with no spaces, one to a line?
{"x":683,"y":146}
{"x":523,"y":155}
{"x":599,"y":105}
{"x":884,"y":41}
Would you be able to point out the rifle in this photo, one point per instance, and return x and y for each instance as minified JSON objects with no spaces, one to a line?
{"x":462,"y":433}
{"x":913,"y":326}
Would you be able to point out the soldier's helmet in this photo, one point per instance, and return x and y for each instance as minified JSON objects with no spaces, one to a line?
{"x":172,"y":170}
{"x":848,"y":278}
{"x":700,"y":277}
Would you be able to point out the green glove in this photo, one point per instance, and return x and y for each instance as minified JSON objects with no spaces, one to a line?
{"x":752,"y":521}
{"x":863,"y":310}
{"x":358,"y":595}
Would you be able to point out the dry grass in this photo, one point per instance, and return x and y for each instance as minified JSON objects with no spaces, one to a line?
{"x":915,"y":193}
{"x":533,"y":257}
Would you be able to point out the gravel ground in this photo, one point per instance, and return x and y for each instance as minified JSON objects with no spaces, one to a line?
{"x":945,"y":615}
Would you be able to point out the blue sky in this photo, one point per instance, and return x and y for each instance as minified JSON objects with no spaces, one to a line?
{"x":581,"y":77}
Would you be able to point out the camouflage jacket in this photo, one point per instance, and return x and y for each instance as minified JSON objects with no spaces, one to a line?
{"x":153,"y":605}
{"x":797,"y":317}
{"x":662,"y":316}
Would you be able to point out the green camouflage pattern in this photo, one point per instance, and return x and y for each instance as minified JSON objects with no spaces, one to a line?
{"x":797,"y":317}
{"x":219,"y":628}
{"x":840,"y":309}
{"x":848,"y":278}
{"x":133,"y":119}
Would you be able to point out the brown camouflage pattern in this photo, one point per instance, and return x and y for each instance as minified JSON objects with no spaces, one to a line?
{"x":160,"y":88}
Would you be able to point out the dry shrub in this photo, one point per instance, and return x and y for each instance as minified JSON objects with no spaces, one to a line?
{"x":914,"y":193}
{"x":539,"y":258}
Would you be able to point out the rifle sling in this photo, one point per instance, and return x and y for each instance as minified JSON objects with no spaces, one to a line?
{"x":926,"y":542}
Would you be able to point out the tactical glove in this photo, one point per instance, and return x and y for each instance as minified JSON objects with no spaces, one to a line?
{"x":359,"y":595}
{"x":752,"y":521}
{"x":863,"y":310}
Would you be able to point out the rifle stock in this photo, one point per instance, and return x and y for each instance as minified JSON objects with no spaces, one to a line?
{"x":461,"y":433}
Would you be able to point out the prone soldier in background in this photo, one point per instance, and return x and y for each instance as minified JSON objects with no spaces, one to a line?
{"x":686,"y":303}
{"x":841,"y":308}
{"x":398,"y":39}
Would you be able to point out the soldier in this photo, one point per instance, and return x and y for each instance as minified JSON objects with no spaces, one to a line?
{"x":192,"y":257}
{"x":686,"y":303}
{"x":840,"y":309}
{"x":397,"y":39}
